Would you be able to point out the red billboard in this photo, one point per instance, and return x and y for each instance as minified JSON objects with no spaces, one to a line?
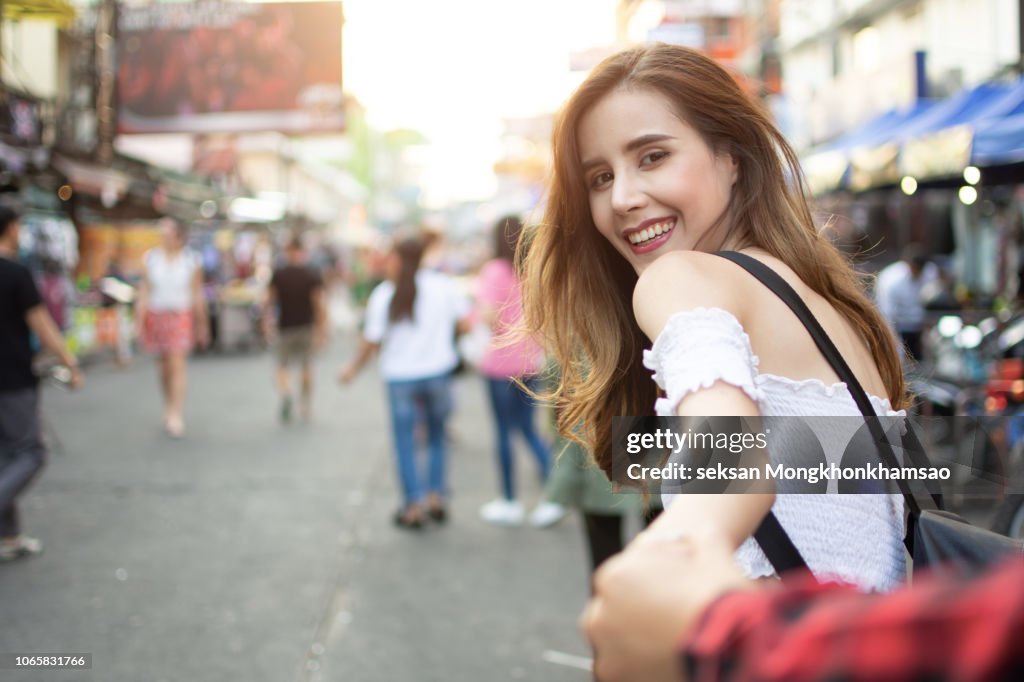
{"x":214,"y":66}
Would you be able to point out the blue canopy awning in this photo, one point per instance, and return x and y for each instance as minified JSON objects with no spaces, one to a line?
{"x":944,"y":148}
{"x":1000,"y":142}
{"x":930,"y":139}
{"x":827,"y":167}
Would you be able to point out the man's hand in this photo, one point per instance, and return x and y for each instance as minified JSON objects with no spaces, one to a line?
{"x":77,"y":379}
{"x":647,"y":598}
{"x":269,"y":329}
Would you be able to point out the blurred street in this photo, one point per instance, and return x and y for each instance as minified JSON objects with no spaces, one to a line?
{"x":256,"y":551}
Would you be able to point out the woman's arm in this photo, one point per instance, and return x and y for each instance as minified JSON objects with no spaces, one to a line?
{"x":201,"y":320}
{"x":683,"y":281}
{"x":367,"y":349}
{"x":141,"y":302}
{"x":734,"y":517}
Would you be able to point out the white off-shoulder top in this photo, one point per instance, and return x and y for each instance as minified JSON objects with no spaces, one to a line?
{"x":854,"y":538}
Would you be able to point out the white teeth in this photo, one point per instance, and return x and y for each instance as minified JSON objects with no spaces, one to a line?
{"x":651,"y":232}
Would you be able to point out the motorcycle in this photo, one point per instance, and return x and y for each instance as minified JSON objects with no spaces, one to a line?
{"x":977,"y":371}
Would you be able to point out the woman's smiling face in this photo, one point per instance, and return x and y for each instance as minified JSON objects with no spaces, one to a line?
{"x":654,"y":184}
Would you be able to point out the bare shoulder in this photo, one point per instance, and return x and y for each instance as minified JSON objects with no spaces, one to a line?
{"x":685,"y":280}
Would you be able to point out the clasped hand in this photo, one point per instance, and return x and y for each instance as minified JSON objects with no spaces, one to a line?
{"x":647,"y":599}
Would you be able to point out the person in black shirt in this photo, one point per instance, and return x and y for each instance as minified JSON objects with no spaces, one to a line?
{"x":21,"y":448}
{"x":297,"y":292}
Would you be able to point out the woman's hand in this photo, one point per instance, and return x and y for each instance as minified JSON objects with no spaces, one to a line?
{"x":320,"y":336}
{"x":347,"y":374}
{"x":202,"y":335}
{"x":648,"y":598}
{"x":139,"y":323}
{"x":367,"y":349}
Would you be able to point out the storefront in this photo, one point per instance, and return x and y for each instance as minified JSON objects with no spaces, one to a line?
{"x":947,"y":174}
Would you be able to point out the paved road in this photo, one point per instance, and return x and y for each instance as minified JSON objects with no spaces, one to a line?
{"x":256,"y":552}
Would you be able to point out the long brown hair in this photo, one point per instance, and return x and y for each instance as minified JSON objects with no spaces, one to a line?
{"x":577,"y":289}
{"x":409,"y":251}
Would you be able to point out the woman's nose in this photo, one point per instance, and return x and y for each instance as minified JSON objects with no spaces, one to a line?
{"x":627,"y":194}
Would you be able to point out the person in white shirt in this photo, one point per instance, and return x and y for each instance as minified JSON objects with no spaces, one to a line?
{"x":899,"y":294}
{"x":170,"y":314}
{"x":411,"y":320}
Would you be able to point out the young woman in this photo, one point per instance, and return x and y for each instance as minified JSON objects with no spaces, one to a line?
{"x":411,"y":318}
{"x":503,"y":366}
{"x":171,"y":315}
{"x":660,"y":160}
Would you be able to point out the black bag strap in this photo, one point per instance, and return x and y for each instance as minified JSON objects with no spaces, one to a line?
{"x":777,"y":546}
{"x":770,"y":535}
{"x":781,"y":288}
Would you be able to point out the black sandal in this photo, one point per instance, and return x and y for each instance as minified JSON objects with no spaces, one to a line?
{"x":403,"y":521}
{"x":438,"y":514}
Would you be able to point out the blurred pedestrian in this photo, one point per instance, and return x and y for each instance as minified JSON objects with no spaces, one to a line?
{"x":576,"y":483}
{"x":661,"y":160}
{"x":171,"y":315}
{"x":411,"y":319}
{"x":22,"y":453}
{"x":682,"y":610}
{"x":899,"y":292}
{"x":505,"y":363}
{"x":297,"y":294}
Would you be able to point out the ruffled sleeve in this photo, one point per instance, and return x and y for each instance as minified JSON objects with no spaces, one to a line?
{"x":696,"y":349}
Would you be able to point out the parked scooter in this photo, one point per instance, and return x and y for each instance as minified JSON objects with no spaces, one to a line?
{"x":975,"y":385}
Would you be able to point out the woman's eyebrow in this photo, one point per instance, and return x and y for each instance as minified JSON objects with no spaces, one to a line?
{"x":632,"y":145}
{"x":638,"y":142}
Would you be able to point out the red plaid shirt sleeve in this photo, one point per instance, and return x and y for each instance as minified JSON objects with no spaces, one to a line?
{"x":940,"y":629}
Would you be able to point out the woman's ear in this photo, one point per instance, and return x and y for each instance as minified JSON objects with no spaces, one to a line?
{"x":730,"y":163}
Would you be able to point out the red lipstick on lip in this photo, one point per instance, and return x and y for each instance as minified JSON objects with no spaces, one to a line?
{"x":653,"y":244}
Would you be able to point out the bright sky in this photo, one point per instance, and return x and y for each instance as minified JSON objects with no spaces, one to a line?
{"x":453,"y":68}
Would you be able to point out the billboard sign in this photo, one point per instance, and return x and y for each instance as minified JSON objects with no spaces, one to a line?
{"x":214,"y":66}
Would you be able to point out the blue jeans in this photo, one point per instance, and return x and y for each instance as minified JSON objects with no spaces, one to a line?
{"x":22,"y":453}
{"x":513,"y":411}
{"x":420,"y":401}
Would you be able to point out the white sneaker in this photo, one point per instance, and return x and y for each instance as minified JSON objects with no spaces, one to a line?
{"x":547,"y":514}
{"x":502,"y":512}
{"x":22,"y":546}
